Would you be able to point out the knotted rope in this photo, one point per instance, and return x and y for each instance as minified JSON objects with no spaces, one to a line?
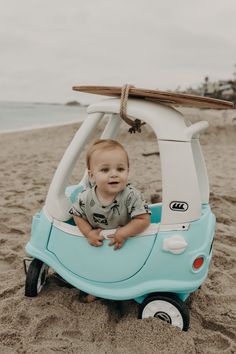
{"x":134,"y":123}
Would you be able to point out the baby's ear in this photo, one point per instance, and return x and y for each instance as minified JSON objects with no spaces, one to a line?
{"x":90,"y":174}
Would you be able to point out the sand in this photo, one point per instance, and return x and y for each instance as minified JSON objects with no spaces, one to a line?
{"x":56,"y":321}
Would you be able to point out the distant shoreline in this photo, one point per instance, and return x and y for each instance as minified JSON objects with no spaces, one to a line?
{"x":22,"y":130}
{"x":69,"y":103}
{"x":16,"y":117}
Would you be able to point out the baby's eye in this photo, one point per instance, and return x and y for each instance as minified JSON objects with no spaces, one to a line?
{"x":120,"y":169}
{"x":105,"y":170}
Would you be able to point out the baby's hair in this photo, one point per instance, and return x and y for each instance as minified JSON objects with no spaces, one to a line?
{"x":102,"y":145}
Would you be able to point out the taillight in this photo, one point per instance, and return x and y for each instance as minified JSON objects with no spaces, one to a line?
{"x":198,"y":263}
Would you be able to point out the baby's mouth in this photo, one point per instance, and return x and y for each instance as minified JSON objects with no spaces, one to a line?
{"x":113,"y":183}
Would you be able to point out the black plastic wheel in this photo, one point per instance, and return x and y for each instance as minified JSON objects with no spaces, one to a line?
{"x":167,"y":307}
{"x":35,"y":278}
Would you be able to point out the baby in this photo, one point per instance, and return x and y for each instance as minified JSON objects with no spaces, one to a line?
{"x":111,"y":202}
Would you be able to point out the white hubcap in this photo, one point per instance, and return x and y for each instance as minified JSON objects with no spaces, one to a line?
{"x":165,"y":311}
{"x":42,"y":277}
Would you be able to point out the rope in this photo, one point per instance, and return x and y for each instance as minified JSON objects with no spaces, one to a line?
{"x":134,"y":123}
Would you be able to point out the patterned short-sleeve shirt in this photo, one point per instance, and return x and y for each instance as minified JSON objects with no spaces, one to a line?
{"x":128,"y":204}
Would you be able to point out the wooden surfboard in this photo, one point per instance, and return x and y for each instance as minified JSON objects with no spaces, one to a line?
{"x":169,"y":98}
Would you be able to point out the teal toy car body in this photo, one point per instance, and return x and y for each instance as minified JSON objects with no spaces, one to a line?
{"x":158,"y":268}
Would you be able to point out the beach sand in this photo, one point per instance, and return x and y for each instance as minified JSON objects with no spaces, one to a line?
{"x":56,"y":321}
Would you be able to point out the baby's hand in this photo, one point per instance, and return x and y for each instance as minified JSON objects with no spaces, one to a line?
{"x":118,"y":239}
{"x":95,"y":238}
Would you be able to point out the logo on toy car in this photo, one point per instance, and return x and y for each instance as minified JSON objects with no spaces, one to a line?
{"x":178,"y":206}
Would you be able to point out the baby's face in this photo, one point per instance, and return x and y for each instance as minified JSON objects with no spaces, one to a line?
{"x":109,"y":170}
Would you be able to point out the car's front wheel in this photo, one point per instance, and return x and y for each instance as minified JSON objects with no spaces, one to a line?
{"x":167,"y":307}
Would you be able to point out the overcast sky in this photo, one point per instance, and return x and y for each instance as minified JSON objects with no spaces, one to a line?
{"x":47,"y":46}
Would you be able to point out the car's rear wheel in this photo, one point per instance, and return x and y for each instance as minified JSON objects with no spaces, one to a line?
{"x":167,"y":307}
{"x":35,"y":278}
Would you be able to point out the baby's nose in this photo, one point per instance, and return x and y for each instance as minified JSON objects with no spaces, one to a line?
{"x":113,"y":173}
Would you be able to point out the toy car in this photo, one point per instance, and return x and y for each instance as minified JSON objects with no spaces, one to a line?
{"x":162,"y":266}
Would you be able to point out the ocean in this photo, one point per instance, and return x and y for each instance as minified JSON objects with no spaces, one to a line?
{"x":15,"y":116}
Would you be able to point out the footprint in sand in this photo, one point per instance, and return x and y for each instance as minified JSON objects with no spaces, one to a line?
{"x":45,"y":325}
{"x":216,"y":343}
{"x":16,"y":231}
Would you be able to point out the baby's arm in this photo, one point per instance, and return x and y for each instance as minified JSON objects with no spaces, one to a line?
{"x":92,"y":235}
{"x":137,"y":225}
